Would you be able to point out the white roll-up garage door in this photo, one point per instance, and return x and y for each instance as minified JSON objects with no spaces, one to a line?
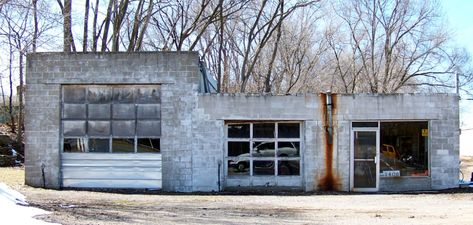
{"x":111,"y":170}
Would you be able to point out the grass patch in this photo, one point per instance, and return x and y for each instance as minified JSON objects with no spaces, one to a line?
{"x":12,"y":176}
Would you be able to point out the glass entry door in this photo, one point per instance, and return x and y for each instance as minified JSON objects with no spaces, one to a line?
{"x":365,"y":159}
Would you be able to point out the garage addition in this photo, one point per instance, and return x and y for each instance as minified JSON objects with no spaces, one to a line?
{"x":148,"y":120}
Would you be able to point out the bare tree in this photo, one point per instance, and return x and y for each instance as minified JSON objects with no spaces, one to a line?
{"x":392,"y":43}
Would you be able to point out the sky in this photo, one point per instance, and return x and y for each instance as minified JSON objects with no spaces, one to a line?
{"x":459,"y":14}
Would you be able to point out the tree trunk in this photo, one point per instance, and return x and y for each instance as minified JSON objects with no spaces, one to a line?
{"x":94,"y":27}
{"x":107,"y":25}
{"x":66,"y":12}
{"x":19,"y":136}
{"x":35,"y":21}
{"x":86,"y":26}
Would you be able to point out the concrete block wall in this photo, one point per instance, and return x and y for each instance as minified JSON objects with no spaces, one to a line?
{"x":441,"y":110}
{"x":177,"y":72}
{"x":192,"y":124}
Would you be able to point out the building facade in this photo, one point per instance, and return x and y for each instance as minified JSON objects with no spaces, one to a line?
{"x":142,"y":120}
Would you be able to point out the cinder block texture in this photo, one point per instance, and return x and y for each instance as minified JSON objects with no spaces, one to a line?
{"x":193,"y":125}
{"x":177,"y":72}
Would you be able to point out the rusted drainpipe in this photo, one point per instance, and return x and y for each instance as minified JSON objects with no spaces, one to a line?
{"x":328,"y":181}
{"x":328,"y":102}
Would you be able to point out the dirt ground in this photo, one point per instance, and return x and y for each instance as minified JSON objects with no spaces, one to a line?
{"x":86,"y":207}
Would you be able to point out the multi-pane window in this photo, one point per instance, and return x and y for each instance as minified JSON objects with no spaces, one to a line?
{"x":263,"y":148}
{"x":111,"y":118}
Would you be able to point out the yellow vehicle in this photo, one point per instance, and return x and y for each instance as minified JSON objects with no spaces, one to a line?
{"x":389,"y":151}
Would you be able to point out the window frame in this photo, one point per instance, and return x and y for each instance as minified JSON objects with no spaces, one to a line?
{"x":110,"y":119}
{"x":252,"y":140}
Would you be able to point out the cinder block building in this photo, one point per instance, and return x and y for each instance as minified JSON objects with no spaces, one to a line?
{"x":144,"y":120}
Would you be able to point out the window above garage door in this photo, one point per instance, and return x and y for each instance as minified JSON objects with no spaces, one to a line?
{"x":111,"y":118}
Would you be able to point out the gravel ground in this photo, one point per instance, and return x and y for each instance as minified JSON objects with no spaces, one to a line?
{"x":87,"y":207}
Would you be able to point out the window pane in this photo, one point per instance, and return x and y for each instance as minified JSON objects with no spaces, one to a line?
{"x":148,"y":95}
{"x":238,"y":130}
{"x":99,"y":95}
{"x":404,"y":149}
{"x":99,"y":128}
{"x":364,"y":174}
{"x":241,"y":149}
{"x":123,"y":128}
{"x":289,"y":168}
{"x":74,"y":145}
{"x":263,"y":130}
{"x":263,"y":167}
{"x":73,"y":94}
{"x":149,"y":145}
{"x":148,"y":128}
{"x":74,"y":111}
{"x":73,"y":128}
{"x":124,"y":111}
{"x":263,"y":149}
{"x":238,"y":167}
{"x":123,"y":145}
{"x":288,"y":130}
{"x":288,"y":149}
{"x":123,"y":95}
{"x":99,"y":145}
{"x":99,"y":111}
{"x":149,"y":111}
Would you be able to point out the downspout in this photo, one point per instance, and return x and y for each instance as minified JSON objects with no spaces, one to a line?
{"x":328,"y":181}
{"x":328,"y":102}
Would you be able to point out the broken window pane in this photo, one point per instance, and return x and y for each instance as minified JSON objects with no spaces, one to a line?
{"x":124,"y":111}
{"x":123,"y":95}
{"x":241,"y":149}
{"x":74,"y":111}
{"x":99,"y":128}
{"x":123,"y":128}
{"x":148,"y":94}
{"x":99,"y":145}
{"x":288,"y":130}
{"x":263,"y":149}
{"x":99,"y":111}
{"x":99,"y":95}
{"x":74,"y":145}
{"x":148,"y":145}
{"x":238,"y":130}
{"x":73,"y":94}
{"x":289,"y":168}
{"x":404,"y":149}
{"x":265,"y":167}
{"x":123,"y":145}
{"x":73,"y":128}
{"x":148,"y":128}
{"x":288,"y":149}
{"x":236,"y":167}
{"x":263,"y":130}
{"x":149,"y":111}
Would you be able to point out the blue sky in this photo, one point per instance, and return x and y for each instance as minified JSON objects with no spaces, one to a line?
{"x":459,"y":14}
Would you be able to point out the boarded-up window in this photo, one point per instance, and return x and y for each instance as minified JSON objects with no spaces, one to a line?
{"x":111,"y":118}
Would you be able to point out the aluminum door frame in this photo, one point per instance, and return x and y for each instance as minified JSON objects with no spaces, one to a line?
{"x":352,"y":158}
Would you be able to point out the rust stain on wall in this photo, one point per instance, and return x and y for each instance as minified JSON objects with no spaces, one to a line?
{"x":328,"y":182}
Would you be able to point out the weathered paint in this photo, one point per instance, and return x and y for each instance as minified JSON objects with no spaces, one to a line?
{"x":328,"y":182}
{"x":105,"y":170}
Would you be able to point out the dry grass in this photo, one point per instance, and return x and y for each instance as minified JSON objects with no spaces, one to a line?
{"x":13,"y":176}
{"x":466,"y":167}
